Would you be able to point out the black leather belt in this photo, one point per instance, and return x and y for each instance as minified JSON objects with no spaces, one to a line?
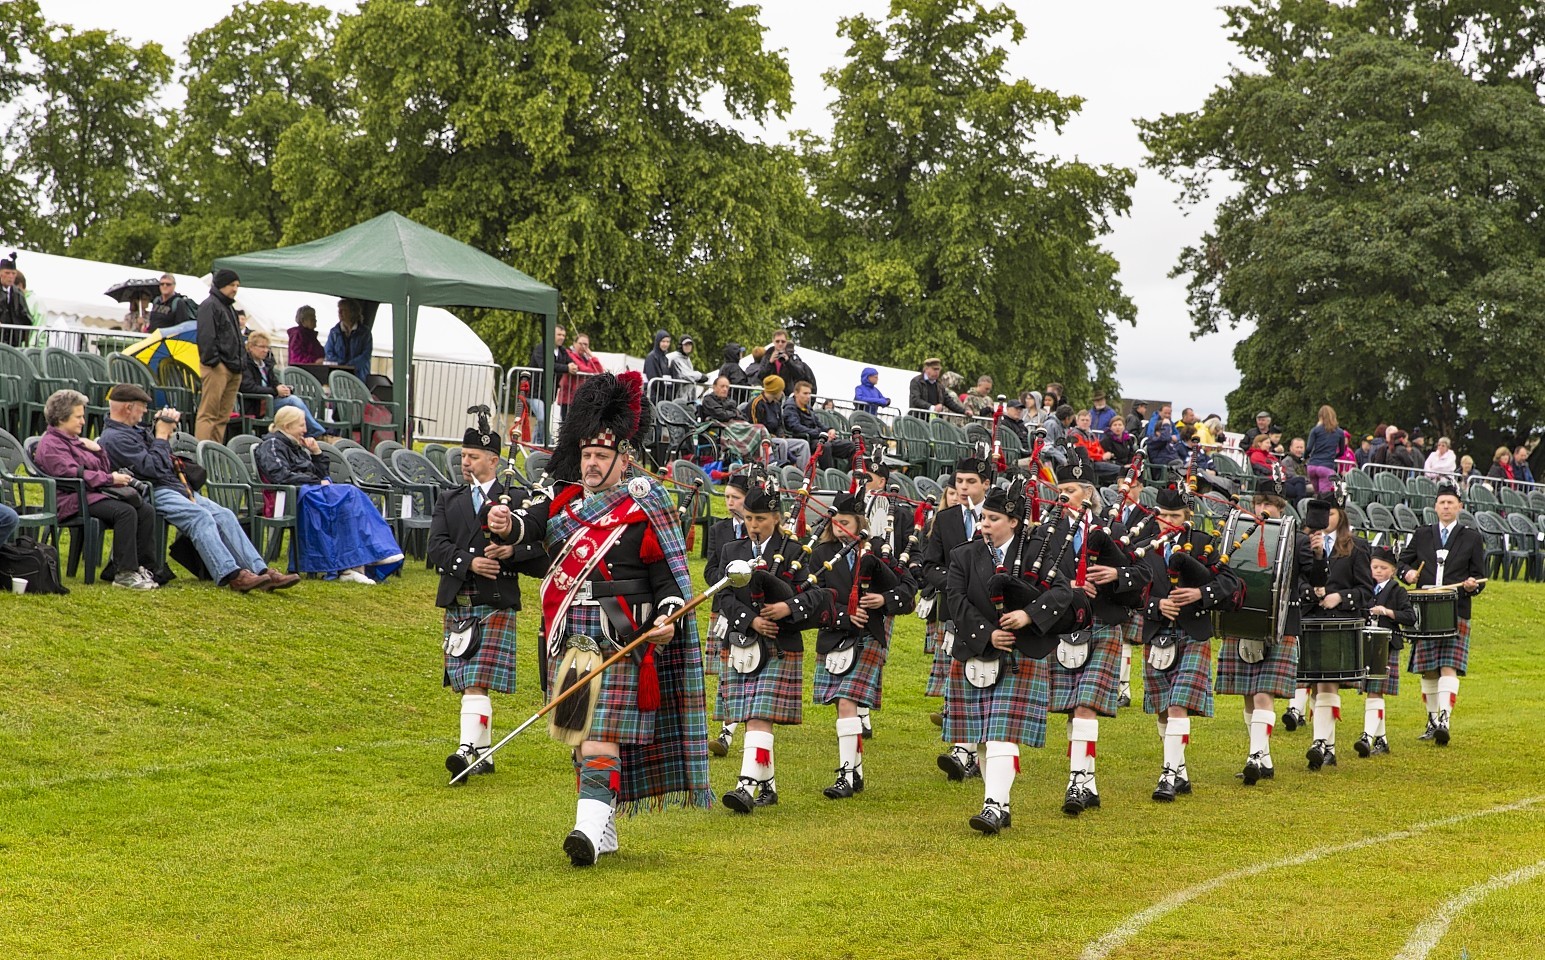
{"x":594,"y":589}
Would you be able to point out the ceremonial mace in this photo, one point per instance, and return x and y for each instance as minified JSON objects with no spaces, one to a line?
{"x":737,"y":573}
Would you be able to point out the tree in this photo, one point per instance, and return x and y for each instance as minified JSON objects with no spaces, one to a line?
{"x":21,"y":23}
{"x":940,"y":229}
{"x":93,"y":132}
{"x":563,"y":136}
{"x":1383,"y":238}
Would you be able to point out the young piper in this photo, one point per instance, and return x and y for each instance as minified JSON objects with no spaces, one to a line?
{"x":1391,"y":609}
{"x":763,"y":676}
{"x":890,"y":526}
{"x":1142,"y":526}
{"x":1444,"y":554}
{"x":1187,"y":584}
{"x":720,"y":535}
{"x":867,"y":594}
{"x":953,"y":528}
{"x":1342,"y":586}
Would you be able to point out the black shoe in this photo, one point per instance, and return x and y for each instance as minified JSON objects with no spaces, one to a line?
{"x":1380,"y":745}
{"x":1330,"y":754}
{"x":768,"y":797}
{"x":1316,"y":755}
{"x":1252,"y":771}
{"x":1364,"y":746}
{"x":720,"y":746}
{"x":858,"y":782}
{"x":464,"y":757}
{"x":1125,"y":700}
{"x":1182,"y":785}
{"x":955,"y":768}
{"x":1441,"y":735}
{"x":1073,"y":802}
{"x":1165,"y":791}
{"x":579,"y":848}
{"x":843,"y":788}
{"x":1091,"y":800}
{"x":868,"y":733}
{"x":991,"y":820}
{"x":936,"y":718}
{"x":484,"y":766}
{"x":1292,"y":719}
{"x":740,"y":799}
{"x":1432,"y":729}
{"x":1268,"y":773}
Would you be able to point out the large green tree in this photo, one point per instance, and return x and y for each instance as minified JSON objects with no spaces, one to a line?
{"x":565,"y":137}
{"x":21,"y":23}
{"x":941,"y":229}
{"x":1382,"y":237}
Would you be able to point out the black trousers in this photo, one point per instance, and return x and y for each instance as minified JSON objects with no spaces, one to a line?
{"x":838,"y":449}
{"x":134,"y":533}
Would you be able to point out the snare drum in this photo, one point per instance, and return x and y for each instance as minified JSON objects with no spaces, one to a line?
{"x":1376,"y":642}
{"x":1331,"y":651}
{"x":1437,"y":612}
{"x":1268,"y":589}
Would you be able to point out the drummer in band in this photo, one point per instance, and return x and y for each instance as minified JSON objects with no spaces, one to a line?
{"x":1391,"y":610}
{"x":1259,"y":670}
{"x":1343,"y":586}
{"x":1449,"y":555}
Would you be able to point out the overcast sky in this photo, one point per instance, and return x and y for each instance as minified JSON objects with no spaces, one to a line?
{"x":1126,"y":58}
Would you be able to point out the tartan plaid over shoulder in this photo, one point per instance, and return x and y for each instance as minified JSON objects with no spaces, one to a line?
{"x":672,"y":769}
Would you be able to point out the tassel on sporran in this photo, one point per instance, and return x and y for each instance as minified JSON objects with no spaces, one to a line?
{"x":570,"y":721}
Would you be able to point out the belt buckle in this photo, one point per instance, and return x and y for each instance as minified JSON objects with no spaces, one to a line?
{"x":584,"y":592}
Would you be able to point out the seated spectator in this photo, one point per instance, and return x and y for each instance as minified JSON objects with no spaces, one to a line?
{"x":867,"y":394}
{"x":258,"y":379}
{"x":1014,"y":421}
{"x":1521,"y":465}
{"x":1100,"y":414}
{"x":1440,"y":463}
{"x":1082,"y":434}
{"x":828,"y":404}
{"x":111,"y":496}
{"x":1164,"y":446}
{"x":339,"y":530}
{"x":229,"y":556}
{"x":1191,"y":448}
{"x":304,"y":345}
{"x":1502,"y":466}
{"x":1057,"y":424}
{"x":1262,"y":460}
{"x":349,"y":343}
{"x":1118,"y":445}
{"x":1295,"y":473}
{"x":766,"y":408}
{"x":799,"y":420}
{"x":1209,"y":430}
{"x":716,"y":405}
{"x":1467,"y":473}
{"x":732,"y":368}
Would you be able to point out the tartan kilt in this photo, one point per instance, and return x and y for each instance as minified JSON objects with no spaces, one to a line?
{"x":1276,"y":675}
{"x":772,"y":693}
{"x":1389,"y":686}
{"x":617,"y":716}
{"x":1094,"y":685}
{"x":1013,"y":709}
{"x":861,"y":684}
{"x":1435,"y":653}
{"x":1186,"y":684}
{"x":933,"y":631}
{"x":713,"y":648}
{"x":492,"y":664}
{"x":939,"y":667}
{"x":1132,"y":631}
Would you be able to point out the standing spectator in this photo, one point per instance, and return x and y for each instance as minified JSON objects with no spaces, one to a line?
{"x":682,"y":369}
{"x":731,"y":368}
{"x":220,"y":357}
{"x":1056,"y":392}
{"x":63,"y":452}
{"x":1100,"y":415}
{"x":657,"y":366}
{"x":536,"y":400}
{"x":137,"y":320}
{"x":867,"y":394}
{"x":978,"y":400}
{"x":1440,"y":463}
{"x":1397,"y":452}
{"x":1365,"y":451}
{"x":766,"y":408}
{"x":1262,"y":426}
{"x":13,"y":307}
{"x":1324,"y":447}
{"x":582,"y":364}
{"x":304,"y":345}
{"x":1419,"y":443}
{"x":927,"y":393}
{"x":34,"y":308}
{"x":259,"y":380}
{"x":1502,"y":466}
{"x":349,"y":343}
{"x":1521,"y":469}
{"x":717,"y":406}
{"x":171,"y":308}
{"x":1119,"y":445}
{"x":799,"y":420}
{"x":782,"y":360}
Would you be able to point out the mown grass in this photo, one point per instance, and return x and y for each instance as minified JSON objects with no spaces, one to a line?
{"x":193,"y":773}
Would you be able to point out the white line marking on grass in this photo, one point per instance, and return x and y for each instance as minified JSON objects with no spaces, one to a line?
{"x":1426,"y":936}
{"x":1130,"y":927}
{"x":150,"y":770}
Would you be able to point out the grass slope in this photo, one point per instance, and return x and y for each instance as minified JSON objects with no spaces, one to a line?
{"x":193,"y":773}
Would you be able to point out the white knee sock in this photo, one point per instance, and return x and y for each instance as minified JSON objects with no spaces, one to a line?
{"x":476,"y":717}
{"x":1082,"y":736}
{"x":849,"y":730}
{"x":758,"y":761}
{"x":1448,"y":694}
{"x":1161,"y":721}
{"x":1177,"y":734}
{"x":1430,"y":697}
{"x":863,"y":715}
{"x":1301,"y":699}
{"x":998,"y":771}
{"x":1126,"y":663}
{"x":1261,"y":722}
{"x":1327,"y":710}
{"x":1373,"y":717}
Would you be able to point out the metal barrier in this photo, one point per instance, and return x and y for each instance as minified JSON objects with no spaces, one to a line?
{"x":73,"y":339}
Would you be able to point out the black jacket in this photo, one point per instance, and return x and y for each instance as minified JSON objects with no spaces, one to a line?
{"x":839,"y":579}
{"x":169,"y":313}
{"x":561,"y":362}
{"x":718,"y":410}
{"x":281,"y":460}
{"x":968,"y":594}
{"x":656,"y":362}
{"x":219,"y":334}
{"x":1394,"y":596}
{"x":801,"y":423}
{"x":1351,"y":576}
{"x":732,"y":368}
{"x":1466,"y":558}
{"x":922,"y":395}
{"x":741,"y":605}
{"x":947,"y":534}
{"x":140,"y":452}
{"x":1223,"y":591}
{"x":1112,"y":602}
{"x":719,"y":536}
{"x":769,"y":413}
{"x":791,"y":369}
{"x":14,"y":312}
{"x":256,"y":380}
{"x":457,"y":535}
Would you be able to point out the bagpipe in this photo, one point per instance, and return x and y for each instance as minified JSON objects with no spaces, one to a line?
{"x":1054,"y":607}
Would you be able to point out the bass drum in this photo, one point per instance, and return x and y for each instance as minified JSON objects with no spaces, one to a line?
{"x":1268,"y":589}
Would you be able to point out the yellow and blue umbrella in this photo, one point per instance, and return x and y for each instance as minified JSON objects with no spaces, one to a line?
{"x":179,"y":342}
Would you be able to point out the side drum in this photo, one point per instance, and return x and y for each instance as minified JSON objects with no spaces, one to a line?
{"x":1331,"y":651}
{"x":1376,"y":641}
{"x":1437,"y":612}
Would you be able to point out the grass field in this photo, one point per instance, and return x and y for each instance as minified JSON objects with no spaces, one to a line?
{"x":193,"y":773}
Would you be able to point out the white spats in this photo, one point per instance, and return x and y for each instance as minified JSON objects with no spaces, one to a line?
{"x":1327,"y":710}
{"x":1261,"y":722}
{"x":1373,"y":717}
{"x":863,"y":716}
{"x":1177,"y":733}
{"x":1301,"y":699}
{"x":1430,"y":697}
{"x":998,"y":770}
{"x":477,"y":720}
{"x":758,"y":762}
{"x":849,"y":729}
{"x":591,"y":818}
{"x":1083,"y":734}
{"x":1448,"y":695}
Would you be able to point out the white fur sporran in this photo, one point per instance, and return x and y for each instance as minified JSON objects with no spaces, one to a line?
{"x":720,"y":628}
{"x":1252,"y":651}
{"x":947,"y":641}
{"x":1162,"y":656}
{"x":745,"y":653}
{"x":925,"y":606}
{"x":982,"y":673}
{"x":839,"y":662}
{"x":1073,"y":650}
